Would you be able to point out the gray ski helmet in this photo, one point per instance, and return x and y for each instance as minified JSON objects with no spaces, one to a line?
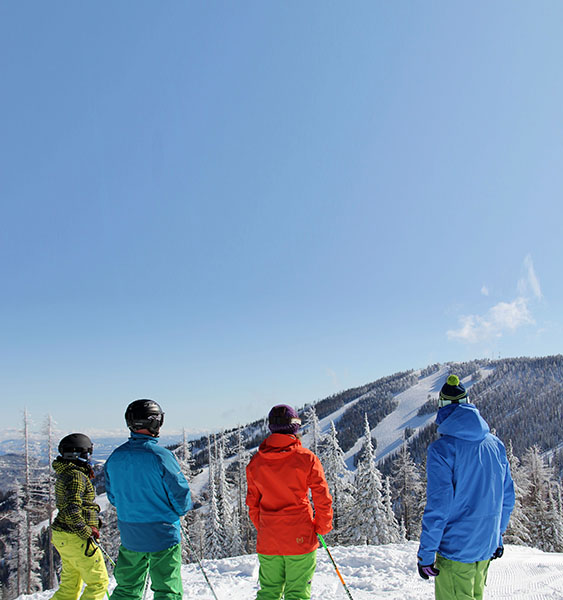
{"x":144,"y":414}
{"x":76,"y":445}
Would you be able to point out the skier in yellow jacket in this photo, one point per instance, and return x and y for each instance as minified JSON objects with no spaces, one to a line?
{"x":76,"y":526}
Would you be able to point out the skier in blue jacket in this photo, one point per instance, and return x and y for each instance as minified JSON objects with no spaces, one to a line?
{"x":469,"y":498}
{"x":145,"y":484}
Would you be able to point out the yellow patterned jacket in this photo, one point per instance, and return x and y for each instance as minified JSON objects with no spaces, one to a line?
{"x":74,"y":495}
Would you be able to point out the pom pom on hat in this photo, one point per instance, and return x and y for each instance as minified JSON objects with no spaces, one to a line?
{"x":452,"y":392}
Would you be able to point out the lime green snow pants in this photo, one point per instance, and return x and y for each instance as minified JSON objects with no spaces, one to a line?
{"x":79,"y":568}
{"x":164,"y":569}
{"x":287,"y":575}
{"x":460,"y":581}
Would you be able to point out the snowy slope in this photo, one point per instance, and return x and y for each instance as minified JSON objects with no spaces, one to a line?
{"x":377,"y":572}
{"x":389,"y":432}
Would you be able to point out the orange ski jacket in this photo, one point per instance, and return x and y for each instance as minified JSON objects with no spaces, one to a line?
{"x":279,"y":478}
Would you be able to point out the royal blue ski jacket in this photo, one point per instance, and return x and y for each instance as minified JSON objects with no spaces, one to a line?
{"x":145,"y":484}
{"x":470,"y":494}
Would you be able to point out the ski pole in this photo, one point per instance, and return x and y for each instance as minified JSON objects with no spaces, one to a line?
{"x":193,"y":553}
{"x":335,"y":567}
{"x":106,"y":553}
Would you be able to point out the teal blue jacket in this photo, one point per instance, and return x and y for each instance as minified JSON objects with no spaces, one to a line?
{"x":145,"y":484}
{"x":470,"y":493}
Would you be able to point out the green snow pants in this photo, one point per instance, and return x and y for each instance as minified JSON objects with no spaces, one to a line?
{"x":164,"y":569}
{"x":79,"y":568}
{"x":289,"y":576}
{"x":460,"y":581}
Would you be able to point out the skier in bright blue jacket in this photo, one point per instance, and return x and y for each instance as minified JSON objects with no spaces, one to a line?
{"x":469,"y":498}
{"x":145,"y":484}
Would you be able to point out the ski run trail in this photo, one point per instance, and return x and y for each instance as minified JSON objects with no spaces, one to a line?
{"x":375,"y":573}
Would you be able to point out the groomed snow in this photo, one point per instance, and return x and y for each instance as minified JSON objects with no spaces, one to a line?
{"x":376,"y":572}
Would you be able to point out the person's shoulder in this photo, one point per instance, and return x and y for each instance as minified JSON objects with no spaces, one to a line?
{"x":441,"y":445}
{"x":306,"y":454}
{"x":125,"y":447}
{"x":162,"y":453}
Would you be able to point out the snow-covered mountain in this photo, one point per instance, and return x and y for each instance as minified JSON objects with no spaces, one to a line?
{"x":372,"y":573}
{"x":521,"y":399}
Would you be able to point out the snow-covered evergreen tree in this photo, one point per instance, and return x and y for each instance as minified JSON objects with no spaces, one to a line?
{"x":313,"y":429}
{"x":184,"y":457}
{"x":408,"y":492}
{"x":29,"y":489}
{"x":367,"y":517}
{"x":247,"y":532}
{"x":232,"y":543}
{"x":518,"y":530}
{"x":214,"y":527}
{"x":553,"y":517}
{"x":340,"y":483}
{"x":544,"y":522}
{"x":49,"y":481}
{"x":196,"y":532}
{"x":390,"y":531}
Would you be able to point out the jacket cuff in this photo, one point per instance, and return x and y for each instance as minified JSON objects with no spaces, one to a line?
{"x":426,"y":558}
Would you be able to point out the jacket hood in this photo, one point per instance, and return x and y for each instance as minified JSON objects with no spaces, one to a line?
{"x":465,"y":423}
{"x":278,"y":445}
{"x":142,"y":438}
{"x":60,"y":465}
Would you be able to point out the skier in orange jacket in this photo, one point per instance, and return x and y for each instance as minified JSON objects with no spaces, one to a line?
{"x":279,"y":478}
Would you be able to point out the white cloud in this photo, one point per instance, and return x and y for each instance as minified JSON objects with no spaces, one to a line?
{"x":529,"y":282}
{"x":504,"y":316}
{"x":333,"y":376}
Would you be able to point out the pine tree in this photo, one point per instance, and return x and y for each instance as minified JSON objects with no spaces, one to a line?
{"x":242,"y":460}
{"x":366,"y":524}
{"x":232,"y":543}
{"x":340,"y":483}
{"x":313,"y":429}
{"x":390,"y":531}
{"x":553,"y":517}
{"x":408,"y":493}
{"x":518,"y":530}
{"x":184,"y":457}
{"x":31,"y":564}
{"x":545,"y":522}
{"x":196,"y":531}
{"x":51,"y":578}
{"x":214,"y":528}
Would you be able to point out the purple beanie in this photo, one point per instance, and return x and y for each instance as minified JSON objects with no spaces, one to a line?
{"x":284,"y":419}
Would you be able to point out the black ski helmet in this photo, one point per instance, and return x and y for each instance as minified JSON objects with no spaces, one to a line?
{"x":75,"y":445}
{"x":144,"y":414}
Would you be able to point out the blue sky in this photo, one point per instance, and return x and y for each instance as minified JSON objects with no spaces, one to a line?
{"x":223,"y":206}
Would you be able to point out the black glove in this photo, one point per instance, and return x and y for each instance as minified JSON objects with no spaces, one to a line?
{"x":427,"y":571}
{"x":498,"y":553}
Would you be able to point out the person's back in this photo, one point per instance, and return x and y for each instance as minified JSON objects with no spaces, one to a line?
{"x":145,"y":484}
{"x":76,"y":526}
{"x":469,"y":498}
{"x":149,"y":491}
{"x":279,"y":478}
{"x":477,"y":464}
{"x":280,"y":475}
